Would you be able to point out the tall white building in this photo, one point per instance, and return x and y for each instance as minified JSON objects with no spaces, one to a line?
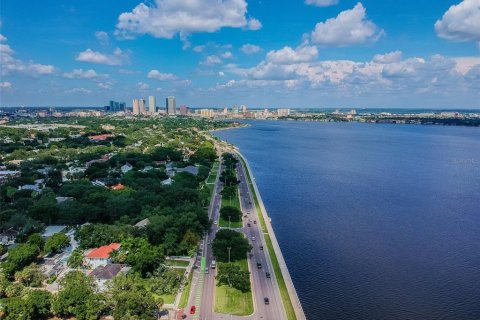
{"x":283,"y":112}
{"x":206,"y":113}
{"x":171,"y":105}
{"x":138,"y":106}
{"x":152,"y":104}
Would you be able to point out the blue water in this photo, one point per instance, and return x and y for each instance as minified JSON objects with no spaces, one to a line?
{"x":374,"y":221}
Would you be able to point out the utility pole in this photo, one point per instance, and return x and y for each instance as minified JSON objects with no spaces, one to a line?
{"x":229,"y":248}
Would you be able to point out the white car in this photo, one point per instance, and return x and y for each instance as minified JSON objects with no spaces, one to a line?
{"x":253,"y":238}
{"x":214,"y":222}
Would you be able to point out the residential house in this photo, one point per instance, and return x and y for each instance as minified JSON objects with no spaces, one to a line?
{"x":102,"y":274}
{"x":100,"y":137}
{"x":126,"y":167}
{"x":8,"y":237}
{"x":118,"y":187}
{"x":143,"y":223}
{"x":100,"y":256}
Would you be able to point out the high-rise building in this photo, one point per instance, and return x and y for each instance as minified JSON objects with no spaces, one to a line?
{"x":235,"y":109}
{"x":225,"y":111}
{"x":244,"y":108}
{"x":283,"y":112}
{"x":207,"y":113}
{"x":152,"y":104}
{"x":183,"y":110}
{"x":171,"y":105}
{"x":135,"y":106}
{"x":138,"y":106}
{"x":114,"y":106}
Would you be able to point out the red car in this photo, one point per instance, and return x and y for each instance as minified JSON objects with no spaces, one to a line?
{"x":192,"y":310}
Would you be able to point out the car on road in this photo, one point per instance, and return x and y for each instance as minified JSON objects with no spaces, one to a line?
{"x":266,"y":300}
{"x":253,"y":238}
{"x":249,"y":225}
{"x":254,"y":221}
{"x":261,"y":247}
{"x":267,"y":274}
{"x":259,"y":265}
{"x":209,"y":242}
{"x":214,"y":222}
{"x":192,"y":310}
{"x":249,"y":220}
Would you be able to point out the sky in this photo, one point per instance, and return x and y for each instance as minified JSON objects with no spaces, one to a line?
{"x":220,"y":53}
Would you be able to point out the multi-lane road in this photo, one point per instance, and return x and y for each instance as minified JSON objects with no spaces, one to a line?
{"x":202,"y":294}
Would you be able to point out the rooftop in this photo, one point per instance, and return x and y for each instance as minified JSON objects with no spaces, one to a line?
{"x":103,"y":252}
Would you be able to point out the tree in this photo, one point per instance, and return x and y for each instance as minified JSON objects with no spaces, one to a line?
{"x":232,"y":213}
{"x":130,"y":299}
{"x":238,"y":244}
{"x":36,"y":239}
{"x":30,"y":276}
{"x":77,"y":298}
{"x":141,"y":255}
{"x":76,"y":259}
{"x":232,"y":275}
{"x":56,"y":243}
{"x":19,"y":257}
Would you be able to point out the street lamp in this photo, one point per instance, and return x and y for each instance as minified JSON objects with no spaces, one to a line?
{"x":229,"y":248}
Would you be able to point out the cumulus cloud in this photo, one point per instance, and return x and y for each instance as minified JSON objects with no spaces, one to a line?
{"x":155,"y":74}
{"x":11,"y":65}
{"x":321,"y":3}
{"x":390,"y":57}
{"x":78,"y":90}
{"x":102,"y":37}
{"x":81,"y":74}
{"x":350,"y":27}
{"x":2,"y":38}
{"x":227,"y":55}
{"x":167,"y":18}
{"x":250,"y":48}
{"x":199,"y":48}
{"x":105,"y":85}
{"x":465,"y":64}
{"x":211,"y":60}
{"x":142,"y":86}
{"x":461,"y":22}
{"x":287,"y":55}
{"x":116,"y":59}
{"x":5,"y":85}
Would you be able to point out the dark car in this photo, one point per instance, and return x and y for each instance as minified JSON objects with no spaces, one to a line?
{"x":268,"y":274}
{"x":255,"y":221}
{"x":259,"y":265}
{"x":261,"y":247}
{"x":249,"y":225}
{"x":266,"y":300}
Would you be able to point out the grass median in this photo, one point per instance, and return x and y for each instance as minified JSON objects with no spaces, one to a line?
{"x":232,"y":301}
{"x":186,"y":292}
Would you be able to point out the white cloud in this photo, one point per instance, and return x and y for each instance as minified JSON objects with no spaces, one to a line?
{"x":2,"y":38}
{"x":390,"y":57}
{"x":350,"y":27}
{"x":142,"y":86}
{"x":105,"y":85}
{"x":167,"y":18}
{"x":227,"y":55}
{"x":221,"y":74}
{"x":78,"y":90}
{"x":10,"y":64}
{"x":81,"y":74}
{"x":211,"y":60}
{"x":465,"y":64}
{"x":254,"y":24}
{"x":116,"y":59}
{"x":5,"y":85}
{"x":321,"y":3}
{"x":102,"y":37}
{"x":199,"y":49}
{"x":250,"y":48}
{"x":461,"y":22}
{"x":287,"y":55}
{"x":155,"y":74}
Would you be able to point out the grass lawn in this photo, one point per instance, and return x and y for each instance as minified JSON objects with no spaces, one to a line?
{"x":176,"y":263}
{"x":232,"y":301}
{"x":186,"y":292}
{"x":168,"y":298}
{"x":234,"y":202}
{"x":224,"y":223}
{"x":211,"y":178}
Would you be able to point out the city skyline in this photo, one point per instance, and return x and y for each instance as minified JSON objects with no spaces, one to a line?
{"x":312,"y":53}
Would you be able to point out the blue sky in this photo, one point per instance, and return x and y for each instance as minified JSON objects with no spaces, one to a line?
{"x":211,"y":53}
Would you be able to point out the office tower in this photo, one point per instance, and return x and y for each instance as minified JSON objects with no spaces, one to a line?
{"x":141,"y":106}
{"x":183,"y":110}
{"x":136,"y":107}
{"x":283,"y":112}
{"x":171,"y":105}
{"x":152,"y":104}
{"x":114,"y":106}
{"x":235,"y":110}
{"x":206,"y":113}
{"x":244,"y":109}
{"x":225,"y":111}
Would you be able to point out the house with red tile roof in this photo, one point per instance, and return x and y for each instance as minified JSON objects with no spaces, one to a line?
{"x":100,"y":256}
{"x":118,"y":187}
{"x":100,"y":137}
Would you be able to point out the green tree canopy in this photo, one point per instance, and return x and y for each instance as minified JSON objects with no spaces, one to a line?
{"x":233,"y":213}
{"x":56,"y":243}
{"x":238,"y":244}
{"x":232,"y":275}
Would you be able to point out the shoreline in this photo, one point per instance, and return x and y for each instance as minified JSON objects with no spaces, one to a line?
{"x":277,"y":253}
